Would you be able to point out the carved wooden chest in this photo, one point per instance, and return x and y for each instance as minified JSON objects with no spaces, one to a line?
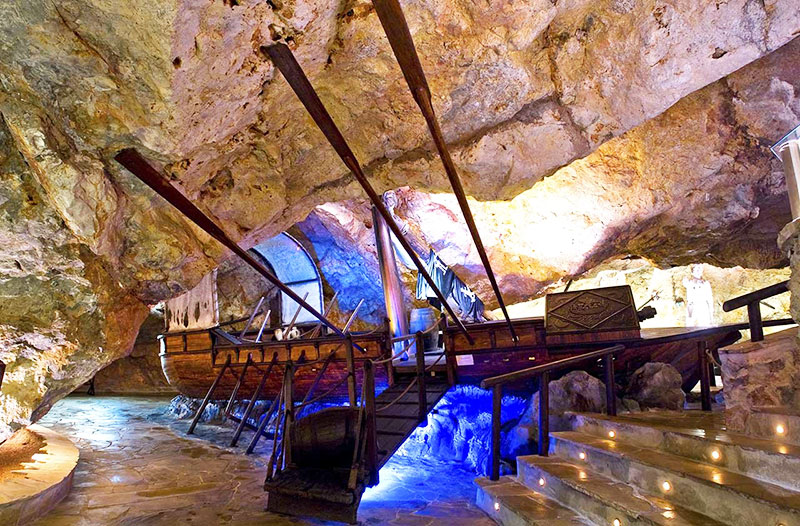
{"x":604,"y":314}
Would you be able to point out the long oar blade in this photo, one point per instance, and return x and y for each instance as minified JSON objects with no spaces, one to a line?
{"x":138,"y":166}
{"x":284,"y":60}
{"x":394,"y":24}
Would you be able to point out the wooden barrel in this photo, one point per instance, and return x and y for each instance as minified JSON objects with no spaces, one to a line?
{"x":419,"y":321}
{"x":325,"y":439}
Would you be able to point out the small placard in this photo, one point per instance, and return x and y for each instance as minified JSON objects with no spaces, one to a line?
{"x":464,"y":359}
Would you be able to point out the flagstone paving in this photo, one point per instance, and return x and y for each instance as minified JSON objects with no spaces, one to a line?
{"x":138,"y":467}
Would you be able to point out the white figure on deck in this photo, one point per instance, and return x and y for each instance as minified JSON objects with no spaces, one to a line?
{"x":699,"y":299}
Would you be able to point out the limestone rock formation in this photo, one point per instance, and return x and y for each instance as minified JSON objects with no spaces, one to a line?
{"x":575,"y":391}
{"x":760,"y":374}
{"x":656,"y":385}
{"x":63,"y":313}
{"x":522,"y":88}
{"x":670,"y":190}
{"x":140,"y":371}
{"x":664,"y":289}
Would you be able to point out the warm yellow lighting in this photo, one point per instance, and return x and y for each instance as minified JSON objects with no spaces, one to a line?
{"x":617,"y":522}
{"x":780,"y":429}
{"x":782,"y":450}
{"x":612,"y":434}
{"x":666,"y":486}
{"x":715,"y":455}
{"x":582,"y":455}
{"x":716,"y":477}
{"x":582,"y":475}
{"x":541,"y":482}
{"x":496,"y":506}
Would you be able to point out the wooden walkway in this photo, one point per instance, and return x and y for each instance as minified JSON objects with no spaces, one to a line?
{"x":394,"y":423}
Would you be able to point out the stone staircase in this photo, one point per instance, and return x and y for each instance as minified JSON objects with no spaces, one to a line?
{"x":653,"y":468}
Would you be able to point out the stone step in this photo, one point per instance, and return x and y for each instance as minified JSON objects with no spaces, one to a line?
{"x":780,"y":424}
{"x":510,"y":503}
{"x":601,"y":499}
{"x":762,"y":459}
{"x":728,"y":496}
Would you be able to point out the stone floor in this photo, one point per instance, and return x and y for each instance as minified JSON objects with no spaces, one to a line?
{"x":138,"y":467}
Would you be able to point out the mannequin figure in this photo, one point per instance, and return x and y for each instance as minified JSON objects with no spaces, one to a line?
{"x":699,"y":299}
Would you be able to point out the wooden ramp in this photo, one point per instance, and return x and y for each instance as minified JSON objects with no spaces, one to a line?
{"x":396,"y":421}
{"x":374,"y":430}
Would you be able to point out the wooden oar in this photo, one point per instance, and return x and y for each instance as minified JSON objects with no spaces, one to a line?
{"x":294,"y":319}
{"x":318,"y":328}
{"x":353,"y":316}
{"x":263,"y":325}
{"x":138,"y":166}
{"x":284,"y":60}
{"x":394,"y":24}
{"x":252,"y":317}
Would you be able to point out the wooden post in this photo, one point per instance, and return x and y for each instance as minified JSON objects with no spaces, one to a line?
{"x":452,"y":362}
{"x":497,"y":404}
{"x":611,"y":395}
{"x":351,"y":371}
{"x":422,"y":414}
{"x":263,"y":425}
{"x":250,"y":406}
{"x":705,"y":377}
{"x":288,"y":398}
{"x":754,"y":318}
{"x":544,"y":414}
{"x":209,"y":394}
{"x":237,"y":386}
{"x":372,"y":439}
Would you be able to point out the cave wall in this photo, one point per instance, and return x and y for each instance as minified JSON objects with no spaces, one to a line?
{"x":664,"y":290}
{"x":522,"y":88}
{"x":63,"y":314}
{"x":695,"y":185}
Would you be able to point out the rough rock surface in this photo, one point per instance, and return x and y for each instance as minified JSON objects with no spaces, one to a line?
{"x":664,"y":289}
{"x":63,"y":315}
{"x":575,"y":391}
{"x":522,"y":89}
{"x":459,"y":430}
{"x":656,"y":385}
{"x":696,"y":184}
{"x":139,"y":372}
{"x":758,"y":374}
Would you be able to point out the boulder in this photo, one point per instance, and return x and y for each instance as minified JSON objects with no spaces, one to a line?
{"x":657,"y":385}
{"x":575,"y":391}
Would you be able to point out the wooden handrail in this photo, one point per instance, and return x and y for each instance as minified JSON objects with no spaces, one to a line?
{"x":544,"y":371}
{"x":752,"y":301}
{"x":547,"y":367}
{"x":755,"y":296}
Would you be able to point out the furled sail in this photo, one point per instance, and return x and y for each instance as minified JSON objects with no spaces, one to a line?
{"x":195,"y":309}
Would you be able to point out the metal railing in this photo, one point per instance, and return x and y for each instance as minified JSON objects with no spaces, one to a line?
{"x":752,"y":301}
{"x":543,"y":372}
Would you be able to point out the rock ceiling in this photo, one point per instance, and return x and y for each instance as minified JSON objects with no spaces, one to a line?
{"x":523,"y":89}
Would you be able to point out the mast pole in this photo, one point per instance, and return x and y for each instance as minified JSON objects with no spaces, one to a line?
{"x":138,"y":166}
{"x":396,"y":28}
{"x":284,"y":60}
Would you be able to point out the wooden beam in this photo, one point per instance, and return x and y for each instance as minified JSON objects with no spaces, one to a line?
{"x":394,"y":25}
{"x":284,"y":60}
{"x":138,"y":166}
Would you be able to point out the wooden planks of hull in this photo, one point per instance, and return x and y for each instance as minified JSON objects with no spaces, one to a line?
{"x":192,"y":361}
{"x":493,"y":352}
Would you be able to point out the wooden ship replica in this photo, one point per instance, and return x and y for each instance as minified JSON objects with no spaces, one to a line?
{"x":321,"y":463}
